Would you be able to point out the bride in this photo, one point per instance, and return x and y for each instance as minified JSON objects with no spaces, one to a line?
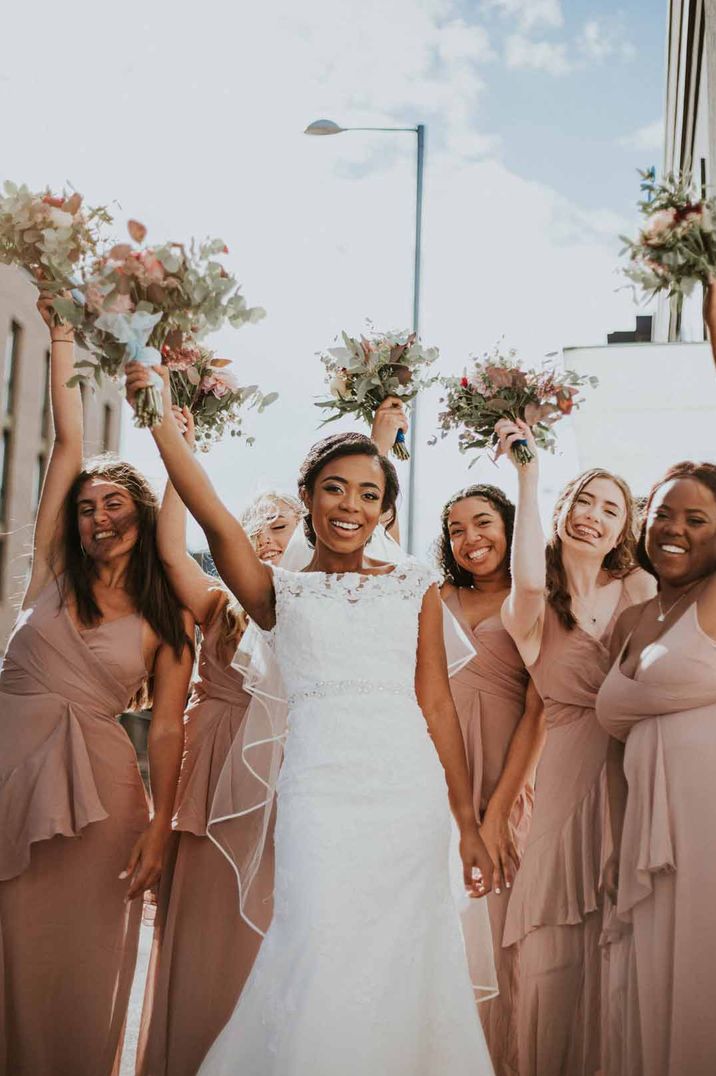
{"x":363,"y":969}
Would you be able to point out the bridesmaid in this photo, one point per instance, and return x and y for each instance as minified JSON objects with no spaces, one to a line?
{"x":203,"y":948}
{"x":561,"y":611}
{"x":502,"y":722}
{"x":659,"y":704}
{"x":77,"y":849}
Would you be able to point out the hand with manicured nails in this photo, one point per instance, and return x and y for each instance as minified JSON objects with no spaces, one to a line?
{"x":497,"y":835}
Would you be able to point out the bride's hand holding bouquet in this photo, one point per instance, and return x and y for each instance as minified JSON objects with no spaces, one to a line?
{"x":373,"y":369}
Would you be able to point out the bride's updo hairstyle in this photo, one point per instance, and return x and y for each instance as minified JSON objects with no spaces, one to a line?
{"x":336,"y":447}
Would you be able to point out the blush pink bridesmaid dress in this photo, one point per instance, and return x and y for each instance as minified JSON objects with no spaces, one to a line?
{"x":666,"y":713}
{"x":555,"y":911}
{"x":203,"y":949}
{"x":489,"y":696}
{"x":72,"y":805}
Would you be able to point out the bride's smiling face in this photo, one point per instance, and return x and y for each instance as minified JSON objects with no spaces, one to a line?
{"x":346,"y":502}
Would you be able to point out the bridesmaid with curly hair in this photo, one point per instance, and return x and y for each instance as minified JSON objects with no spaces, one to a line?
{"x":77,"y":847}
{"x":502,"y":723}
{"x":565,"y":599}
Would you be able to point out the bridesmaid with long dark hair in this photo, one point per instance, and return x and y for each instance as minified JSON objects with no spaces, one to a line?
{"x":658,"y":704}
{"x":77,"y":848}
{"x":565,"y":599}
{"x":203,"y":948}
{"x":502,"y":722}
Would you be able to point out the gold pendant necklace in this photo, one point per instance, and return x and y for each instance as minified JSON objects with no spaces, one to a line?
{"x":664,"y":613}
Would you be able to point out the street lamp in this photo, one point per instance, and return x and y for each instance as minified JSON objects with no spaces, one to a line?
{"x":322,"y":128}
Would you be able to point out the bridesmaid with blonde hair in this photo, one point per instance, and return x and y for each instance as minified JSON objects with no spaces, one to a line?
{"x":563,"y":604}
{"x":658,"y":704}
{"x":203,"y":948}
{"x":502,"y":722}
{"x":77,"y":847}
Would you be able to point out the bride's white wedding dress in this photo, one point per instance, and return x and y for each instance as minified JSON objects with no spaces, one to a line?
{"x":363,"y":970}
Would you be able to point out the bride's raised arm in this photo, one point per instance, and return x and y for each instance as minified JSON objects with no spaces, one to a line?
{"x":235,"y":558}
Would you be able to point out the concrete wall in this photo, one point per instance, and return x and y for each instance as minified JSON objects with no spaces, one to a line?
{"x":655,"y":405}
{"x":27,"y":431}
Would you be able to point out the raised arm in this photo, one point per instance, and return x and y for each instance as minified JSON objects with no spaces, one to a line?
{"x":389,"y":418}
{"x":432,"y":689}
{"x":65,"y":461}
{"x":234,"y":556}
{"x":523,"y":611}
{"x":195,"y":589}
{"x":520,"y":764}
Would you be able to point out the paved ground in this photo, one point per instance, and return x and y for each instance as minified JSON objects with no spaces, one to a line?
{"x":135,"y":1002}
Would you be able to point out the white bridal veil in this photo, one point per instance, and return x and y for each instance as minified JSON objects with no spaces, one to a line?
{"x":242,"y":813}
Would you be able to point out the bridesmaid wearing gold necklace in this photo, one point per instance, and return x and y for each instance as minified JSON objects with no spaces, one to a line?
{"x":502,"y":723}
{"x":659,"y":705}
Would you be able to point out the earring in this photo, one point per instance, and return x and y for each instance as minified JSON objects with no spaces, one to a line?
{"x":83,"y":551}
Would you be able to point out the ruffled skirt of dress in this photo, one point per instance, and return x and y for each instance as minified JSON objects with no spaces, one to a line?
{"x":72,"y":808}
{"x":203,"y":949}
{"x":555,"y":911}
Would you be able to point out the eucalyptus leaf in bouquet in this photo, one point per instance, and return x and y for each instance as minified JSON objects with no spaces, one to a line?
{"x":140,"y":299}
{"x":368,"y":369}
{"x":206,"y":385}
{"x":52,"y":237}
{"x":496,"y":387}
{"x":675,"y":248}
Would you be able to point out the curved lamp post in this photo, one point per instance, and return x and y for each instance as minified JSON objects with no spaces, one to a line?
{"x":321,"y":128}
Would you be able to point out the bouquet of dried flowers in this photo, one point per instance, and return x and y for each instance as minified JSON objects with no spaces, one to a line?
{"x":52,"y":237}
{"x":676,"y":246}
{"x":140,"y":298}
{"x":497,"y":387}
{"x":369,"y":369}
{"x":205,"y":384}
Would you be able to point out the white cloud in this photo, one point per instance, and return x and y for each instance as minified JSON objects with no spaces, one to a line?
{"x":549,"y":56}
{"x":648,"y":137}
{"x":599,"y":40}
{"x":195,"y":127}
{"x":529,"y":13}
{"x":604,"y":39}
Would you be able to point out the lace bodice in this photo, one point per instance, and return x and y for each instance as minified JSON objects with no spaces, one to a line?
{"x":348,"y":633}
{"x":363,"y":967}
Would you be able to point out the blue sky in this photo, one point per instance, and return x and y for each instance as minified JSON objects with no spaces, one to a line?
{"x":190,"y":119}
{"x":563,"y":128}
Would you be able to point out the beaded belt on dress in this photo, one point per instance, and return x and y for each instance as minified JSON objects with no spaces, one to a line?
{"x":325,"y":688}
